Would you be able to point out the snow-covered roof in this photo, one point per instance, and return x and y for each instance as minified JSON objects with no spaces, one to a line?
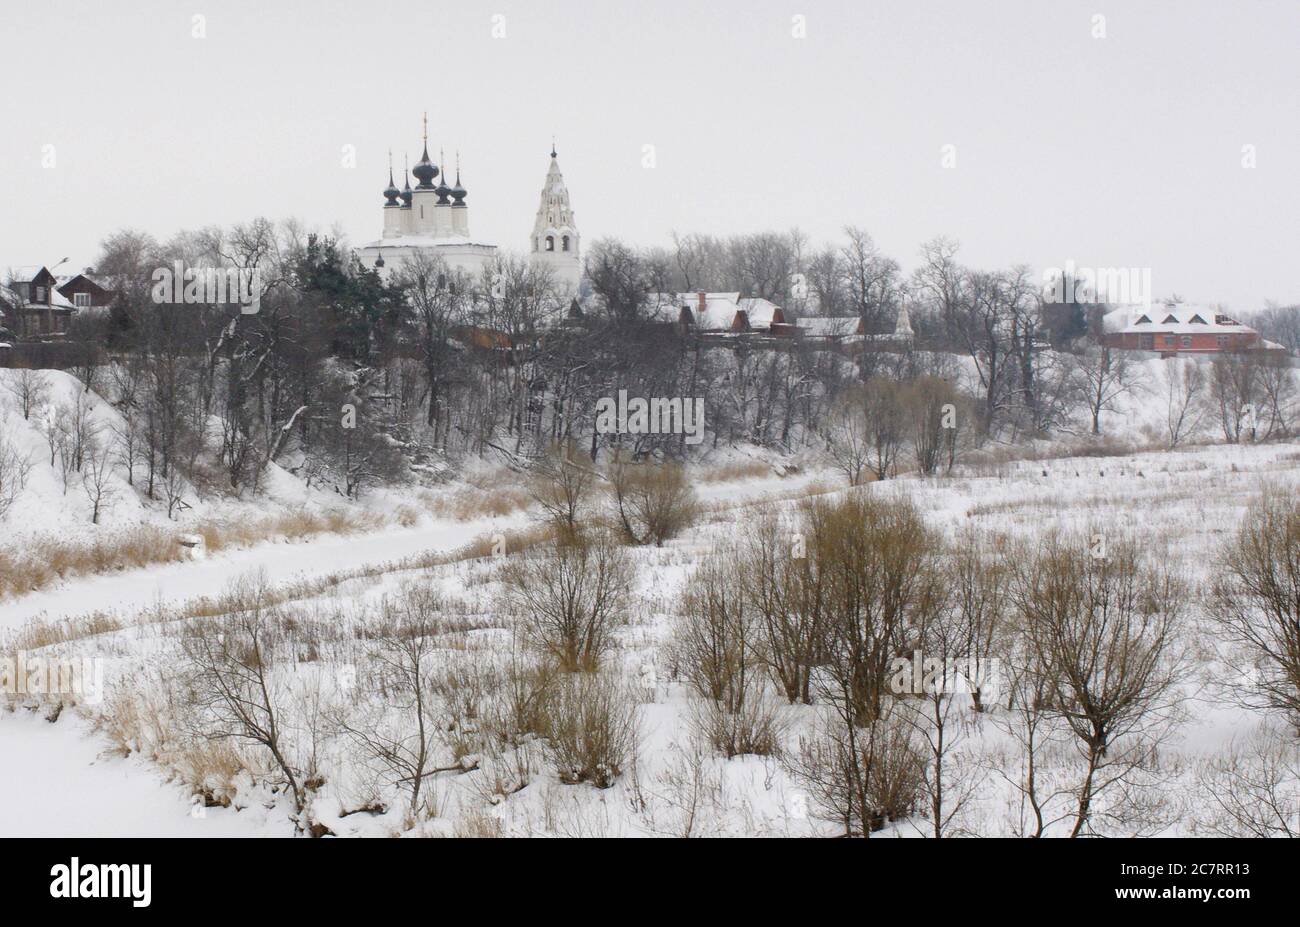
{"x":23,"y":273}
{"x":93,"y":278}
{"x":827,"y":326}
{"x":719,"y":308}
{"x":1181,"y":319}
{"x":14,"y":299}
{"x":759,"y":311}
{"x":425,"y":241}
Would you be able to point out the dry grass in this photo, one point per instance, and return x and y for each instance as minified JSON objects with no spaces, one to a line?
{"x":477,"y":824}
{"x":737,"y":470}
{"x":477,"y":500}
{"x":39,"y":633}
{"x":289,"y":526}
{"x":47,"y":561}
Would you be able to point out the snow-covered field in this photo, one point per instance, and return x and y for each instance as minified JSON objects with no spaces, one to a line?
{"x":70,"y":776}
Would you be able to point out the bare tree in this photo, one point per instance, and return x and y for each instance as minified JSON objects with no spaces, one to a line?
{"x":561,"y":486}
{"x":653,"y":502}
{"x":1256,"y":607}
{"x":875,"y":556}
{"x":1184,"y":404}
{"x":1278,"y":390}
{"x":569,"y":596}
{"x":786,"y":588}
{"x":717,"y":646}
{"x":930,"y":407}
{"x":403,"y":735}
{"x":847,"y":440}
{"x":31,"y":388}
{"x":1104,"y":376}
{"x":238,"y":688}
{"x":860,"y":776}
{"x":594,"y":728}
{"x":1252,"y":789}
{"x":1103,"y":632}
{"x":886,"y":425}
{"x":1234,"y":391}
{"x":872,"y":281}
{"x":96,"y":478}
{"x":14,"y":470}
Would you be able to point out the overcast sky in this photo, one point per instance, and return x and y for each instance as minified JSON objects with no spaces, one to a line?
{"x":1124,"y":151}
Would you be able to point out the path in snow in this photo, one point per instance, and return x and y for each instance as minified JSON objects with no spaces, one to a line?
{"x":55,"y":783}
{"x":132,"y":591}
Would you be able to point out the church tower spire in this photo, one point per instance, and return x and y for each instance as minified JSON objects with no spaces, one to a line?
{"x":555,"y":232}
{"x":424,"y":169}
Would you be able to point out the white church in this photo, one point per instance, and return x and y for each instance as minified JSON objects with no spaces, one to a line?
{"x":433,"y":219}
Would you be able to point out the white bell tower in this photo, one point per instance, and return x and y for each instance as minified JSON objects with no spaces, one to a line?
{"x":555,"y":235}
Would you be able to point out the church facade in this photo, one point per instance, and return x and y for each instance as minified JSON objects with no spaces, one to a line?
{"x":433,"y":219}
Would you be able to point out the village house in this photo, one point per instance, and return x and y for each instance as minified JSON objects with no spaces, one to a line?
{"x":852,"y":330}
{"x":86,"y":291}
{"x":1177,"y":329}
{"x":32,"y":305}
{"x":718,"y":313}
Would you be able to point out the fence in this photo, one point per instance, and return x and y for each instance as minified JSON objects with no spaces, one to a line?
{"x":50,"y":355}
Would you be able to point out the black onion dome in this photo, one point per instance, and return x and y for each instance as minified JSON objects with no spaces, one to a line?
{"x":391,"y":193}
{"x":458,"y":192}
{"x":424,"y":171}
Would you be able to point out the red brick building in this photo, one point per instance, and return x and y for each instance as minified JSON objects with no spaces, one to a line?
{"x":1172,"y":330}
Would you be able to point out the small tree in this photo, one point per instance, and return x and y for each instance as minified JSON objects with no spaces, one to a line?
{"x":1184,"y":404}
{"x":96,"y":479}
{"x":594,"y":728}
{"x":1256,"y":607}
{"x":717,"y":646}
{"x":561,"y":488}
{"x":847,"y":440}
{"x":403,"y":735}
{"x":886,"y":425}
{"x":14,"y":469}
{"x":654,"y":502}
{"x":860,"y":777}
{"x":930,"y":407}
{"x":569,"y":596}
{"x":786,"y":589}
{"x":238,"y":690}
{"x":1103,"y":376}
{"x":31,"y":388}
{"x":1103,"y":633}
